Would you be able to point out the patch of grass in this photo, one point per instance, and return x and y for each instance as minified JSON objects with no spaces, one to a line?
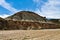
{"x":26,"y":37}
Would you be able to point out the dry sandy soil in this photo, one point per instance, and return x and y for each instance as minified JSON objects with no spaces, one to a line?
{"x":47,"y":34}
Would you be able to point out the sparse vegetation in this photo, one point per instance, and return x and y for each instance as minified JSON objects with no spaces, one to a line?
{"x":49,"y":34}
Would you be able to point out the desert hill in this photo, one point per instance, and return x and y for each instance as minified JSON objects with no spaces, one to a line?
{"x":26,"y":20}
{"x":26,"y":16}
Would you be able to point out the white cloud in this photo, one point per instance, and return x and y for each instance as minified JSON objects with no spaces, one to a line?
{"x":4,"y":15}
{"x":7,"y":6}
{"x":51,"y":9}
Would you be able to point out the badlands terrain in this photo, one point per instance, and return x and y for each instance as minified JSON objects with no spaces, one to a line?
{"x":46,"y":34}
{"x":27,"y":20}
{"x":26,"y":25}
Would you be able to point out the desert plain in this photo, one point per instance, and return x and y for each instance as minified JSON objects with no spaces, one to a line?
{"x":45,"y":34}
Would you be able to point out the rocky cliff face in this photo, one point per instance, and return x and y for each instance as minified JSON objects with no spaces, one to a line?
{"x":24,"y":25}
{"x":31,"y":25}
{"x":26,"y":20}
{"x":3,"y":23}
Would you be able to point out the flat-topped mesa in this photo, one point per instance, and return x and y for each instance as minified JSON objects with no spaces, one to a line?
{"x":26,"y":16}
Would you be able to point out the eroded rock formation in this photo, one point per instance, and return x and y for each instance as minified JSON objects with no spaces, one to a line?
{"x":26,"y":20}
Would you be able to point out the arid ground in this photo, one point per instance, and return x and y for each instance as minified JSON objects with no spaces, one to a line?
{"x":46,"y":34}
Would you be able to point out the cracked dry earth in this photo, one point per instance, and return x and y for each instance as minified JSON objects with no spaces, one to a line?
{"x":47,"y":34}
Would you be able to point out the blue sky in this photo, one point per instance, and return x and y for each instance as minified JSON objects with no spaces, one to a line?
{"x":46,"y":8}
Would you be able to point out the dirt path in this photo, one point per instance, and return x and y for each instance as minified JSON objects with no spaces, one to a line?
{"x":49,"y":34}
